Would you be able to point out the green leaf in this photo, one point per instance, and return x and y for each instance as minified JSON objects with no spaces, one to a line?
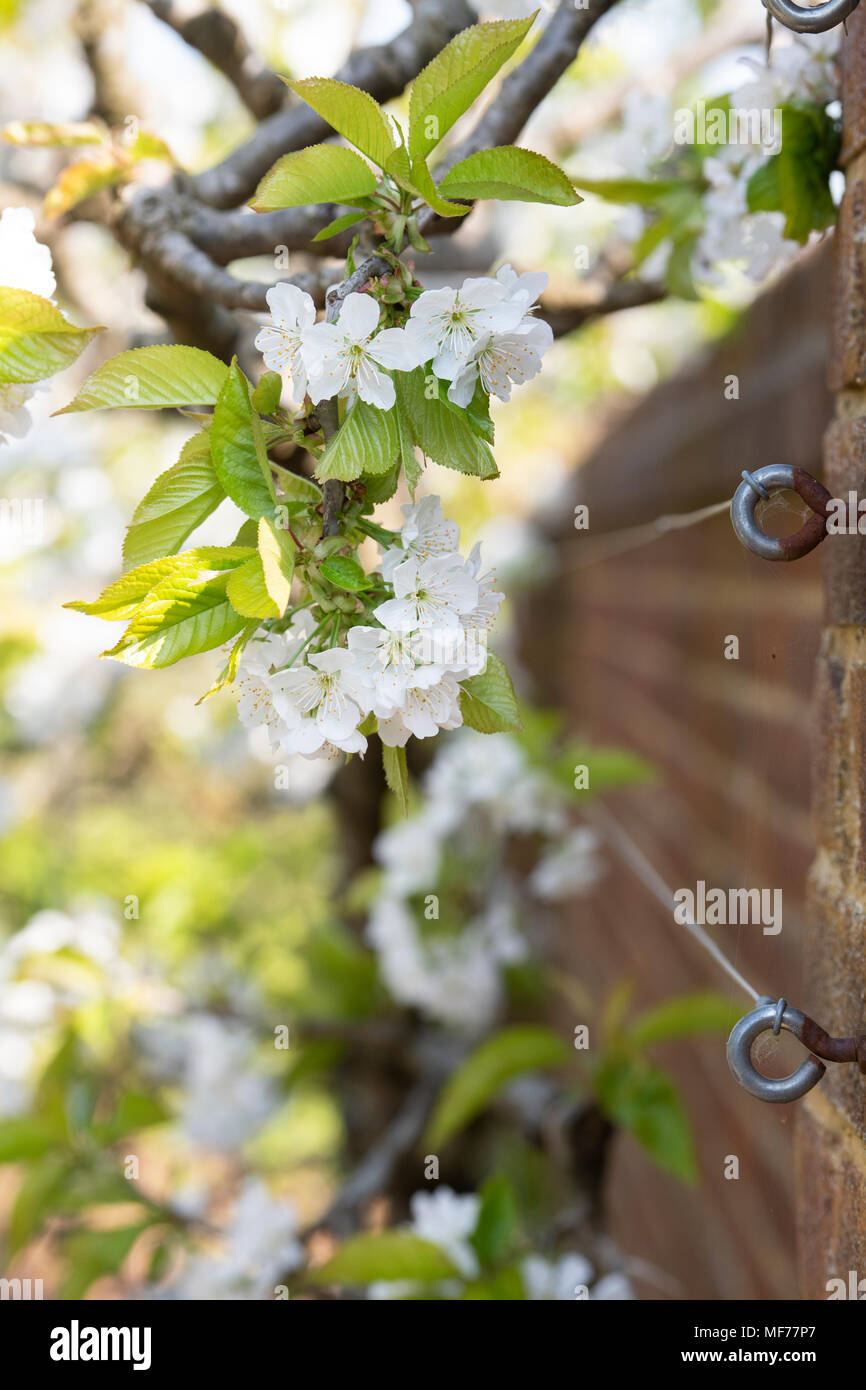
{"x":450,"y":83}
{"x":345,"y":573}
{"x":510,"y":173}
{"x":422,"y":183}
{"x":796,"y":180}
{"x":442,"y":433}
{"x":36,"y":340}
{"x":339,"y":224}
{"x":352,"y":113}
{"x":482,"y":1074}
{"x":183,"y":615}
{"x":385,"y":1255}
{"x":150,"y":378}
{"x":57,"y":134}
{"x":122,"y":597}
{"x":683,"y":1017}
{"x":397,"y":774}
{"x":505,"y":1285}
{"x":607,"y":768}
{"x":230,"y":670}
{"x":35,"y":1199}
{"x":91,"y":1254}
{"x":238,"y":450}
{"x":180,"y":500}
{"x":382,"y":487}
{"x":497,"y":1221}
{"x":248,"y":593}
{"x":645,"y":192}
{"x":319,"y":174}
{"x":277,"y":552}
{"x":82,"y":179}
{"x":22,"y":1138}
{"x":488,"y":702}
{"x":266,"y":396}
{"x":296,"y":489}
{"x":366,"y":442}
{"x":639,"y":1096}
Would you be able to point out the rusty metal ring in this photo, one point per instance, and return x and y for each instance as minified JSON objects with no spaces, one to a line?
{"x":810,"y":21}
{"x":763,"y":1019}
{"x":780,"y":476}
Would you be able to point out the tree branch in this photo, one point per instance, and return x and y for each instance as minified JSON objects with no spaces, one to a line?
{"x":217,"y":37}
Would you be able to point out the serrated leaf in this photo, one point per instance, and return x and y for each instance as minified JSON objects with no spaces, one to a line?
{"x":371,"y":1256}
{"x":318,"y":174}
{"x":639,"y":1096}
{"x":422,"y":183}
{"x":796,"y":180}
{"x":450,"y":83}
{"x":230,"y":670}
{"x":339,"y":224}
{"x":266,"y":396}
{"x":346,"y":573}
{"x":397,"y":774}
{"x":248,"y":593}
{"x":122,"y":597}
{"x":487,"y":701}
{"x":296,"y":491}
{"x":510,"y":173}
{"x":181,"y":616}
{"x":277,"y":553}
{"x":150,"y":378}
{"x":36,"y":339}
{"x":352,"y":113}
{"x":181,"y":498}
{"x":382,"y":487}
{"x":683,"y":1017}
{"x":366,"y":442}
{"x":146,"y":145}
{"x":81,"y":180}
{"x":443,"y":434}
{"x":481,"y":1075}
{"x":238,"y":450}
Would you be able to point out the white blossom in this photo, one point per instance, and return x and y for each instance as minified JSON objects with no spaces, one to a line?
{"x":446,"y":324}
{"x":389,"y":664}
{"x":25,"y":264}
{"x":410,"y":854}
{"x":501,"y":360}
{"x":424,"y":710}
{"x":261,"y":1248}
{"x":434,"y":593}
{"x":346,"y":358}
{"x":524,"y":288}
{"x":292,"y":313}
{"x":424,"y":533}
{"x":573,"y":866}
{"x":321,"y":702}
{"x":448,"y":1220}
{"x":557,"y":1281}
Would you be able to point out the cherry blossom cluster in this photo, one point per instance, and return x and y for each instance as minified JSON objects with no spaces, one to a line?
{"x":480,"y":790}
{"x":484,"y":331}
{"x":404,"y":666}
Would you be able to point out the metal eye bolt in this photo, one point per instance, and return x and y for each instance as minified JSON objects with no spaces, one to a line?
{"x":757,"y":485}
{"x":810,"y":21}
{"x":769,"y":1017}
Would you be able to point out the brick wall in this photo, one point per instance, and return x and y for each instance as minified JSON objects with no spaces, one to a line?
{"x":633,"y":647}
